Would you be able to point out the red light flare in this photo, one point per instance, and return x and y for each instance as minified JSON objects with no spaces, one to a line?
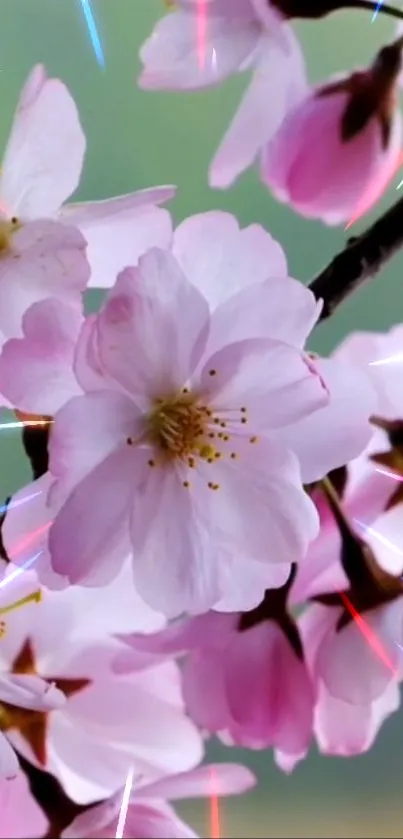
{"x":201,"y":28}
{"x":214,"y":809}
{"x":368,"y":633}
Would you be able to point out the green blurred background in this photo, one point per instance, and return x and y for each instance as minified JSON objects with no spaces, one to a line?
{"x":138,"y":139}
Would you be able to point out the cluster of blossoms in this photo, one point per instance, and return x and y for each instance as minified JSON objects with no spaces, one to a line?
{"x":212,"y":544}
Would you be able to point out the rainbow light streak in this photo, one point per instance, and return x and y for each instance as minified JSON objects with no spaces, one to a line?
{"x":201,"y":25}
{"x":30,"y":537}
{"x":388,"y":474}
{"x":12,"y":504}
{"x":377,"y":10}
{"x":17,"y":571}
{"x":93,"y":32}
{"x":368,"y":633}
{"x":125,"y":805}
{"x":214,"y":809}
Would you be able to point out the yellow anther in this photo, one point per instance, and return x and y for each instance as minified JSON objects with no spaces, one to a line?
{"x":36,"y":597}
{"x":206,"y":452}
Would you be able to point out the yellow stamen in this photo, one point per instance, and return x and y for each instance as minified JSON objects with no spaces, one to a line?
{"x":36,"y":597}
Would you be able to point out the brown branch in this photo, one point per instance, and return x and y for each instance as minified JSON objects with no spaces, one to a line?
{"x":362,"y":258}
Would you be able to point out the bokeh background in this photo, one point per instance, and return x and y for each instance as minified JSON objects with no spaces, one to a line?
{"x":138,"y":139}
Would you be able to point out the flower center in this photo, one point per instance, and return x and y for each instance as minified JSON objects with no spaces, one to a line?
{"x":7,"y":228}
{"x":178,"y":427}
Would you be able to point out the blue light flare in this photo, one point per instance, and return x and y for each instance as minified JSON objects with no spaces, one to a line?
{"x":93,"y":32}
{"x":378,"y":7}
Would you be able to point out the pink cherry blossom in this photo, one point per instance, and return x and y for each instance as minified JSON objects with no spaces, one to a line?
{"x":247,"y":683}
{"x":234,"y":269}
{"x":381,"y":354}
{"x":309,"y":165}
{"x":20,"y":814}
{"x":42,"y":168}
{"x":148,"y":813}
{"x":240,"y":35}
{"x":108,"y":722}
{"x":230,"y":396}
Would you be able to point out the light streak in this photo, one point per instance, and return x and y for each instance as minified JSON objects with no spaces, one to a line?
{"x":11,"y":504}
{"x":382,"y":539}
{"x":368,"y":633}
{"x":125,"y":805}
{"x":392,"y":359}
{"x":377,"y":10}
{"x":20,"y":570}
{"x":201,"y":24}
{"x":23,"y":424}
{"x":30,"y":537}
{"x":388,"y":474}
{"x":214,"y":809}
{"x":93,"y":32}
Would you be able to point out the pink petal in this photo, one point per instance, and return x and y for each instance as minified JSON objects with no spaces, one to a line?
{"x":204,"y":690}
{"x":45,"y":151}
{"x":280,"y":309}
{"x":272,"y":711}
{"x":271,"y":379}
{"x":88,"y":540}
{"x":177,"y":566}
{"x":340,"y":430}
{"x":386,"y":539}
{"x":30,"y":691}
{"x":9,"y":765}
{"x":246,"y":583}
{"x":213,"y":779}
{"x":120,"y":230}
{"x":343,"y":729}
{"x":261,"y":509}
{"x":351,"y":669}
{"x":50,"y":262}
{"x":171,"y":59}
{"x":20,"y":814}
{"x":151,"y":308}
{"x":36,"y":372}
{"x":221,"y":259}
{"x":270,"y":93}
{"x":87,"y":430}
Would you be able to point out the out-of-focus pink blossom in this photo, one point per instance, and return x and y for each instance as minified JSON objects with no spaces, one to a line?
{"x":149,"y":815}
{"x":108,"y":723}
{"x":20,"y":815}
{"x":333,"y":156}
{"x":247,"y":683}
{"x":239,"y":35}
{"x":42,"y":168}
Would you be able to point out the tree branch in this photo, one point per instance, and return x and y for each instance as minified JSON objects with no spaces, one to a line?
{"x":362,"y":258}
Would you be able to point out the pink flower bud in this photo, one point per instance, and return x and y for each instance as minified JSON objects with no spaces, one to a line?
{"x":336,"y":151}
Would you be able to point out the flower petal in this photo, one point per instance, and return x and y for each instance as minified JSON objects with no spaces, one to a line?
{"x":261,"y":509}
{"x":221,"y":259}
{"x":171,"y":56}
{"x":36,"y":372}
{"x":88,"y":540}
{"x":151,"y":308}
{"x":118,"y":231}
{"x":177,"y":566}
{"x":271,"y":379}
{"x":45,"y":151}
{"x":278,"y":78}
{"x":339,"y":431}
{"x":213,"y":779}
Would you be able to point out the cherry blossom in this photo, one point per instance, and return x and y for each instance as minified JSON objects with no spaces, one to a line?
{"x":148,"y":813}
{"x":41,"y":169}
{"x":194,"y":420}
{"x":240,"y":35}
